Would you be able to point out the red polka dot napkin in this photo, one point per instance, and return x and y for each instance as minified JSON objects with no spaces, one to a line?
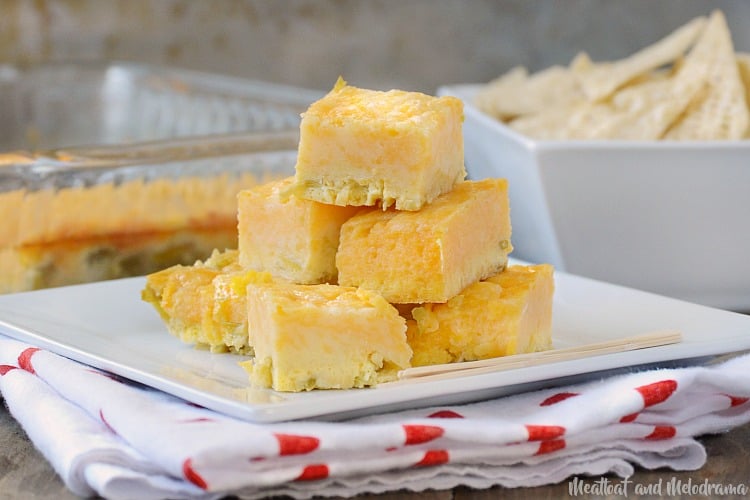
{"x":118,"y":439}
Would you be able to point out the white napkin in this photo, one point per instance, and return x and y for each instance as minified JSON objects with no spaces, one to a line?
{"x":118,"y":439}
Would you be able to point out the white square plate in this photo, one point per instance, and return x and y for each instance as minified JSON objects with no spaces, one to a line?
{"x":108,"y":326}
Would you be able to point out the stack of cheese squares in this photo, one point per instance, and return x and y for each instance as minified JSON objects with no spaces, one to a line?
{"x":377,"y":255}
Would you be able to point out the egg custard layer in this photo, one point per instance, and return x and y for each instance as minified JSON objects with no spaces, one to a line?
{"x":35,"y":266}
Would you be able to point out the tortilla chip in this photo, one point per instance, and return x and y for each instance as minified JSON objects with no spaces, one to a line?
{"x":723,"y":112}
{"x":492,"y":97}
{"x":600,"y":80}
{"x":514,"y":94}
{"x":549,"y":124}
{"x":743,"y":65}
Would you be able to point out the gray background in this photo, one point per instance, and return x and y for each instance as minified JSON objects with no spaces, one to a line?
{"x":408,"y":44}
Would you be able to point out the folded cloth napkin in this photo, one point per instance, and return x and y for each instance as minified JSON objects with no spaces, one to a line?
{"x":118,"y":439}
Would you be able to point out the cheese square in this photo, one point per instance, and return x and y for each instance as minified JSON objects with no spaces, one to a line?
{"x":367,"y":147}
{"x":182,"y":295}
{"x":323,"y":337}
{"x":509,"y":313}
{"x":205,"y":304}
{"x":289,"y":237}
{"x":429,"y":255}
{"x":224,"y":326}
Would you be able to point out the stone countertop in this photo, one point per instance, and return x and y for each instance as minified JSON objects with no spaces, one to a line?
{"x":24,"y":473}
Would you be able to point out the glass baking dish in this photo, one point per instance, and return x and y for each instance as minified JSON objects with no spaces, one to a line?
{"x":48,"y":106}
{"x":121,"y":170}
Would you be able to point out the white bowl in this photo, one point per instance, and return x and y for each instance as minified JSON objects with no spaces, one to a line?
{"x":667,"y":217}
